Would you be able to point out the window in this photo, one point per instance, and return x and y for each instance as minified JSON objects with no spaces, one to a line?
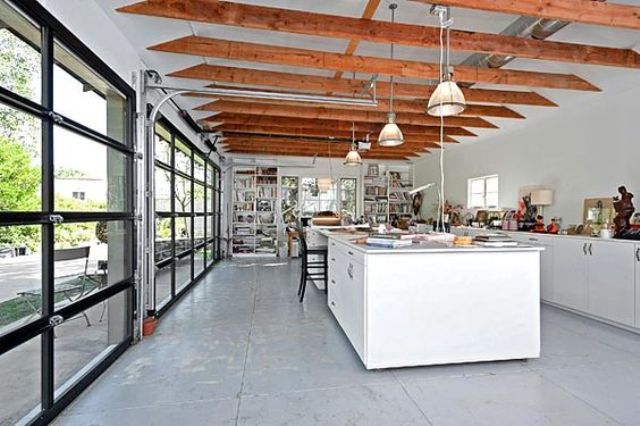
{"x":188,"y":214}
{"x":316,"y":199}
{"x":66,"y":155}
{"x":482,"y":192}
{"x":348,"y":196}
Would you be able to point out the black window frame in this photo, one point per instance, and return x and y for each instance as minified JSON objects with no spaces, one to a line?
{"x":52,"y":31}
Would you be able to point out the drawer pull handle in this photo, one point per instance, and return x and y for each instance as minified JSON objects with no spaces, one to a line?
{"x":350,"y":270}
{"x":590,"y":249}
{"x":333,"y":303}
{"x":333,"y":281}
{"x":333,"y":259}
{"x":584,"y":248}
{"x":638,"y":254}
{"x":350,"y":252}
{"x":533,"y":239}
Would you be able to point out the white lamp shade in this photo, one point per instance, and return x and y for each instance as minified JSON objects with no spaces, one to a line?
{"x":446,"y":100}
{"x":352,"y":158}
{"x":324,"y":184}
{"x":391,"y":135}
{"x":542,"y":197}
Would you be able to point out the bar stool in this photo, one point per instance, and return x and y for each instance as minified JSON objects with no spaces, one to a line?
{"x":312,"y":269}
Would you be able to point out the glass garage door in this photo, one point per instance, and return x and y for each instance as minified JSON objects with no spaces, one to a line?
{"x":66,"y":215}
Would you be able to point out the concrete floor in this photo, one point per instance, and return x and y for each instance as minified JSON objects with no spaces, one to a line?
{"x":240,"y":349}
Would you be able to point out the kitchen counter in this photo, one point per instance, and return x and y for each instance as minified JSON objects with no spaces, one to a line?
{"x":435,"y":303}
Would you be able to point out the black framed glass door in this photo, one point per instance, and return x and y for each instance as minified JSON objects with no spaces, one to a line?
{"x":67,"y":223}
{"x":187,"y":215}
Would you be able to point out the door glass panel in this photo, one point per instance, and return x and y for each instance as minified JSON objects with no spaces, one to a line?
{"x":20,"y":276}
{"x":183,"y":194}
{"x":210,"y":254}
{"x":163,"y":245}
{"x":88,"y":175}
{"x":88,"y":257}
{"x":20,"y":161}
{"x":210,"y":199}
{"x":198,"y":198}
{"x":198,"y":230}
{"x":198,"y":171}
{"x":198,"y":262}
{"x":20,"y":384}
{"x":86,"y":339}
{"x":163,"y":144}
{"x":20,"y":61}
{"x":210,"y":229}
{"x":183,"y":234}
{"x":163,"y":189}
{"x":163,"y":285}
{"x":85,"y":97}
{"x":183,"y":157}
{"x":183,"y":272}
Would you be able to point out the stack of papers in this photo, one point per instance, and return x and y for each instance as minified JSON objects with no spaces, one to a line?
{"x":388,"y":242}
{"x":495,"y":240}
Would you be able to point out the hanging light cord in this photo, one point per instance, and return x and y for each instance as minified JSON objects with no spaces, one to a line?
{"x":393,"y":19}
{"x":443,"y":67}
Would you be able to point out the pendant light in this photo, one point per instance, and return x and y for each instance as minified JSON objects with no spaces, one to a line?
{"x":391,"y":135}
{"x":353,"y":157}
{"x":447,"y":99}
{"x":326,"y":184}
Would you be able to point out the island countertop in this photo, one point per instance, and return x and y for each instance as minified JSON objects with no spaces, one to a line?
{"x":426,"y":247}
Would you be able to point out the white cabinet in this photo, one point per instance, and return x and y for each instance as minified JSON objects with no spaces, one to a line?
{"x":612,"y":281}
{"x":346,"y":292}
{"x":637,"y":262}
{"x":547,"y":291}
{"x":570,"y":273}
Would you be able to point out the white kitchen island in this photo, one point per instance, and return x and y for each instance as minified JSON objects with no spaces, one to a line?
{"x":435,"y":304}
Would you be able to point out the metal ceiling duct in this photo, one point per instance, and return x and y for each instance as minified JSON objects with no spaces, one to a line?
{"x":524,"y":27}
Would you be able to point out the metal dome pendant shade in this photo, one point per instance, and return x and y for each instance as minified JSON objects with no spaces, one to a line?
{"x":353,"y":157}
{"x":391,"y":135}
{"x":446,"y":100}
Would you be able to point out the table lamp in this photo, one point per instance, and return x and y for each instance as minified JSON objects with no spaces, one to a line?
{"x":541,"y":198}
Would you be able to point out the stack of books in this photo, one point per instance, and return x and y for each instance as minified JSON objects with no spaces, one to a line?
{"x":495,"y":240}
{"x":390,"y":240}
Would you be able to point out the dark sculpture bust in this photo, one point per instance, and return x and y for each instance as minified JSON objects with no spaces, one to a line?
{"x":624,"y":210}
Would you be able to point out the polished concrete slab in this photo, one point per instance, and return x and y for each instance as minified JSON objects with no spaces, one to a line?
{"x":240,"y":350}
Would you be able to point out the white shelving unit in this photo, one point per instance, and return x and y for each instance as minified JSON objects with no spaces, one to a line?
{"x":255,"y":198}
{"x":386,"y":192}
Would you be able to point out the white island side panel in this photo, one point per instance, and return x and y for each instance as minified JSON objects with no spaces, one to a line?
{"x":441,"y":308}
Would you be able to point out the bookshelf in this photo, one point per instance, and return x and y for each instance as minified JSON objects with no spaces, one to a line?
{"x":255,"y":225}
{"x":386,"y":192}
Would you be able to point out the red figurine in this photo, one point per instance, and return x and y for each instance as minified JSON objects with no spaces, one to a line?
{"x":539,"y":225}
{"x":553,"y":227}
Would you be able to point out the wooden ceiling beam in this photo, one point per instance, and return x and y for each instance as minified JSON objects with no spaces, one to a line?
{"x":319,"y":133}
{"x":583,"y":11}
{"x":269,"y":54}
{"x":337,"y":151}
{"x":399,"y":105}
{"x":340,"y":114}
{"x":289,"y":153}
{"x":348,"y":87}
{"x":363,"y":29}
{"x":219,"y":120}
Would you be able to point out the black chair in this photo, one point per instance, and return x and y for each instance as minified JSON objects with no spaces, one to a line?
{"x":312,"y":269}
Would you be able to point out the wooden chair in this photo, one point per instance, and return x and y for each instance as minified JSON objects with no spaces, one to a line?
{"x":312,"y":269}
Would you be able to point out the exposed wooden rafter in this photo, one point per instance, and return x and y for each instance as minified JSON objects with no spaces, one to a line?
{"x":219,"y":120}
{"x":399,"y":105}
{"x":584,"y":11}
{"x":354,"y":29}
{"x":339,"y":114}
{"x":254,"y":52}
{"x":315,"y":84}
{"x":234,"y":129}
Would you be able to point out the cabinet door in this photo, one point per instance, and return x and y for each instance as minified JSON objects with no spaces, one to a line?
{"x":547,"y":290}
{"x":612,"y":281}
{"x":352,"y":292}
{"x":637,"y":260}
{"x":570,"y":269}
{"x":334,"y":292}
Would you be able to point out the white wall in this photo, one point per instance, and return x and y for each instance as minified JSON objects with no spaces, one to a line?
{"x":87,"y":21}
{"x":580,"y":152}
